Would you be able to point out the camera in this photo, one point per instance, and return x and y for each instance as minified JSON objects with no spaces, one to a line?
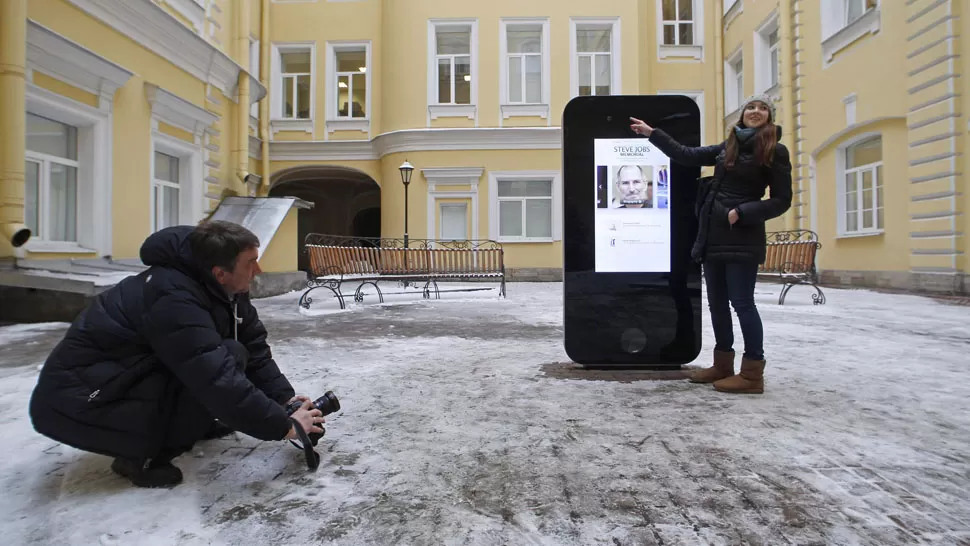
{"x":327,"y":404}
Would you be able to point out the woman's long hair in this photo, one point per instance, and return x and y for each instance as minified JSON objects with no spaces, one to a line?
{"x":765,"y":141}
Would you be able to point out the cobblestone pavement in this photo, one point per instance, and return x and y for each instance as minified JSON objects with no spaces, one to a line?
{"x":464,"y":423}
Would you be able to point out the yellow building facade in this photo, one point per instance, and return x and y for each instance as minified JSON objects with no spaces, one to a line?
{"x":141,"y":113}
{"x":872,"y":94}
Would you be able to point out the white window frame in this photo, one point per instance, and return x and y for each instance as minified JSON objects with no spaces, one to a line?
{"x":697,"y":95}
{"x":277,"y":121}
{"x":587,"y":23}
{"x":842,"y":171}
{"x":445,"y":110}
{"x":170,"y":109}
{"x":254,"y":70}
{"x":442,"y":205}
{"x":493,"y":204}
{"x":682,"y":53}
{"x":43,"y":191}
{"x":191,"y":192}
{"x":94,"y":199}
{"x":522,"y":108}
{"x":444,"y":183}
{"x":733,"y":83}
{"x":762,"y":55}
{"x":334,"y":121}
{"x":838,"y":32}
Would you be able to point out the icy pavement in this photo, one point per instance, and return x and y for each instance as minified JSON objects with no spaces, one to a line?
{"x":461,"y":425}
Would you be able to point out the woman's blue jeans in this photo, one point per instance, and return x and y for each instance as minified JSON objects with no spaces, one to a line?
{"x":733,"y":282}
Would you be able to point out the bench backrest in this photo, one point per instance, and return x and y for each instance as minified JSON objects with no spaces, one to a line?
{"x":352,"y":260}
{"x":790,"y":257}
{"x":471,"y":260}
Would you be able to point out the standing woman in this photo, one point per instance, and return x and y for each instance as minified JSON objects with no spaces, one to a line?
{"x":731,"y":232}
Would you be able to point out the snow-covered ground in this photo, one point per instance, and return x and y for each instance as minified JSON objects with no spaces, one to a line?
{"x":462,"y":423}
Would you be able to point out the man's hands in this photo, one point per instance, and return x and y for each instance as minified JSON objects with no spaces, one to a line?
{"x":639,"y":127}
{"x":733,"y":216}
{"x":308,"y":417}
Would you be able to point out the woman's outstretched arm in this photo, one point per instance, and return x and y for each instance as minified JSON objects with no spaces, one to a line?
{"x":703,"y":156}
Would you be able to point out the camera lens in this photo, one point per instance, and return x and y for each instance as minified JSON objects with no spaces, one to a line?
{"x":327,"y":403}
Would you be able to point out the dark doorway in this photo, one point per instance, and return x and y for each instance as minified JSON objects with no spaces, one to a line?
{"x":346,"y":202}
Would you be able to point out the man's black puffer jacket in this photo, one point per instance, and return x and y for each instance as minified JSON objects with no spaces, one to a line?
{"x":741,"y":187}
{"x":106,"y":387}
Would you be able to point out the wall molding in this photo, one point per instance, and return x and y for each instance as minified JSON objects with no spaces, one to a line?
{"x":50,"y":53}
{"x":150,"y":25}
{"x":174,"y":110}
{"x":419,"y":140}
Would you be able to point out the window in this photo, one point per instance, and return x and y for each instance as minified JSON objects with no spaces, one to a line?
{"x":525,"y":208}
{"x":351,"y":88}
{"x":773,"y":58}
{"x":295,"y":99}
{"x":165,"y":191}
{"x":594,"y":62}
{"x":454,"y":221}
{"x":844,"y":22}
{"x":596,"y":57}
{"x":734,"y":83}
{"x":862,"y":202}
{"x":349,"y":82}
{"x":453,"y":60}
{"x":524,"y":63}
{"x":452,"y":69}
{"x":524,"y":76}
{"x":678,"y":22}
{"x":767,"y":56}
{"x":854,"y":9}
{"x":51,"y":179}
{"x":292,"y":87}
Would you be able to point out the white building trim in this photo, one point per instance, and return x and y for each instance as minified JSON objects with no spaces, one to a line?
{"x":149,"y":25}
{"x":493,"y":204}
{"x":523,"y":109}
{"x":435,"y":109}
{"x":332,"y":121}
{"x":452,"y":176}
{"x":419,"y":140}
{"x":682,"y":53}
{"x":176,"y":111}
{"x":60,"y":58}
{"x":192,"y":199}
{"x":94,"y":177}
{"x":616,"y":67}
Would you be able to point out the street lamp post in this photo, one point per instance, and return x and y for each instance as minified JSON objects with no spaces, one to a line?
{"x":406,"y":170}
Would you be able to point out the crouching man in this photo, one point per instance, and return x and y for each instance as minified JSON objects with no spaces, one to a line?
{"x":146,"y":370}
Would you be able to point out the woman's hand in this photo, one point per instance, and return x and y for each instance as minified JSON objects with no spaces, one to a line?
{"x":639,"y":127}
{"x":733,"y":216}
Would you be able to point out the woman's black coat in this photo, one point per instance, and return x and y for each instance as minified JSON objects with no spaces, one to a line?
{"x":741,"y":187}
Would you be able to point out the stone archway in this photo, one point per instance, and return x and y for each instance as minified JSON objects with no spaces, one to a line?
{"x":346,"y":201}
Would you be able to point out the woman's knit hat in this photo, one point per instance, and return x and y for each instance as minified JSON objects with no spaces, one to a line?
{"x":761,"y":98}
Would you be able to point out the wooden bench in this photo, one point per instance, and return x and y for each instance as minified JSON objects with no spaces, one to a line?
{"x":335,"y":260}
{"x":791,"y":259}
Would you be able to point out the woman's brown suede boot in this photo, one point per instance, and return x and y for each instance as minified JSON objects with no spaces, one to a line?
{"x":723,"y":367}
{"x":749,"y":381}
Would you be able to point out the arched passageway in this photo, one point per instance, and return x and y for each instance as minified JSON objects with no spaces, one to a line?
{"x":346,"y":201}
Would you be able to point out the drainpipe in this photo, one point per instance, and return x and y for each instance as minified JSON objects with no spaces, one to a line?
{"x":787,"y":39}
{"x":13,"y":124}
{"x":719,"y":69}
{"x":242,"y":106}
{"x":264,"y":68}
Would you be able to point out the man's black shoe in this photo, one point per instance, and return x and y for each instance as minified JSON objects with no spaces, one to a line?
{"x":157,"y":474}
